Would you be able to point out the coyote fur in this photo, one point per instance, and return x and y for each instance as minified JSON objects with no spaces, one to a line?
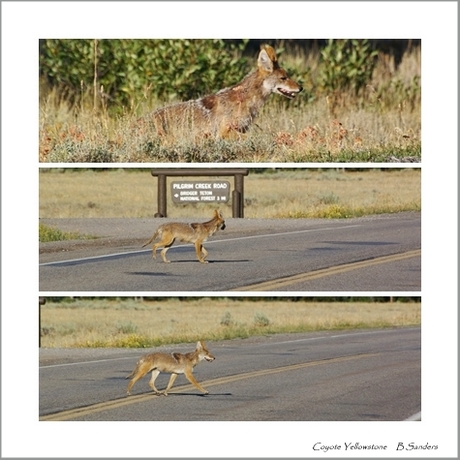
{"x":231,"y":110}
{"x":195,"y":233}
{"x":174,"y":364}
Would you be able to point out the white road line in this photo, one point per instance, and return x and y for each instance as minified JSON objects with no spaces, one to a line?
{"x":107,"y":256}
{"x":306,"y":339}
{"x":118,"y":254}
{"x":97,"y":361}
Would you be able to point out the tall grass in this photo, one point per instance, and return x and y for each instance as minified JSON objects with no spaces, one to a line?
{"x":381,"y":124}
{"x":275,"y":193}
{"x":146,"y":323}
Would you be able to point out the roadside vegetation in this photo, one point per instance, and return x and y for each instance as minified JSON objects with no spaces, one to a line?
{"x":269,"y":193}
{"x":47,"y":233}
{"x":150,"y":322}
{"x":358,"y":104}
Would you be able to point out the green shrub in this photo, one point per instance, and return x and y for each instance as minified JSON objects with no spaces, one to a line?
{"x":261,"y":320}
{"x":127,"y":327}
{"x":328,"y":198}
{"x":227,"y":320}
{"x":400,"y":93}
{"x":47,"y":234}
{"x":346,"y":64}
{"x":130,"y":70}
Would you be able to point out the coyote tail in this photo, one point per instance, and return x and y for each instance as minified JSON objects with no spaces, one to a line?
{"x":154,"y":237}
{"x":134,"y":371}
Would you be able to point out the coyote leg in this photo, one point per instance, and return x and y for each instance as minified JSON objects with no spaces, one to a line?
{"x":194,"y":382}
{"x":166,"y":245}
{"x":155,"y":374}
{"x":131,"y":383}
{"x":138,"y":375}
{"x":163,"y":255}
{"x":170,"y":384}
{"x":199,"y":248}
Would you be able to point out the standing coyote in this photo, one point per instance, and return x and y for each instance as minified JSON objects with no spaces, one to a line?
{"x":195,"y":233}
{"x":231,"y":110}
{"x":174,"y":364}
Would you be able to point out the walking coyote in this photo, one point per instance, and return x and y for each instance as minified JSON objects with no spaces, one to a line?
{"x":231,"y":110}
{"x":174,"y":364}
{"x":195,"y":233}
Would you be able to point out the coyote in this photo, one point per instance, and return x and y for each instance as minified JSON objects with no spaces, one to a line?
{"x":174,"y":364}
{"x":231,"y":110}
{"x":195,"y":233}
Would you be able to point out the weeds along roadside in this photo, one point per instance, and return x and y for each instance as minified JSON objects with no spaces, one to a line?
{"x":141,"y":323}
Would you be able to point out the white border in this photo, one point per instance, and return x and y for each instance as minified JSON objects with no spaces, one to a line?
{"x":23,"y":23}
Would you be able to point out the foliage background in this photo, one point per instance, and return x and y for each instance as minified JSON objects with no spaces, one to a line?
{"x":126,"y":70}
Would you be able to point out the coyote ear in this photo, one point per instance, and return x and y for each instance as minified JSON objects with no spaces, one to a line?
{"x":199,"y":345}
{"x":265,"y":62}
{"x":267,"y":59}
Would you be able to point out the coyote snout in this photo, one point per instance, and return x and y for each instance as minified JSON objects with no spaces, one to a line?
{"x":231,"y":110}
{"x":195,"y":233}
{"x":174,"y":364}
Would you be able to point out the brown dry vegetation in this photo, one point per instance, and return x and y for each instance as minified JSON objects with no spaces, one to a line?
{"x":383,"y":124}
{"x":272,"y":194}
{"x":144,"y":323}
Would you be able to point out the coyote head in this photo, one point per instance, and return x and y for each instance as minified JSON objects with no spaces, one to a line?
{"x":203,"y":352}
{"x":220,"y":219}
{"x":276,"y":78}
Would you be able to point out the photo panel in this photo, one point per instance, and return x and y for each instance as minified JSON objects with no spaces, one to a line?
{"x":230,"y":229}
{"x":254,"y":359}
{"x":210,"y":101}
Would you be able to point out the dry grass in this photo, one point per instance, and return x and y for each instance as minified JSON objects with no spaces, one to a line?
{"x":141,"y":323}
{"x":274,"y":193}
{"x":312,"y":132}
{"x":383,"y":124}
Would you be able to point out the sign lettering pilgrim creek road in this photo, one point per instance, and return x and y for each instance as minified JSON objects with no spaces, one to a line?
{"x":200,"y":191}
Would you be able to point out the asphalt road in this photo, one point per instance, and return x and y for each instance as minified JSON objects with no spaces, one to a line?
{"x":377,"y":253}
{"x":329,"y":376}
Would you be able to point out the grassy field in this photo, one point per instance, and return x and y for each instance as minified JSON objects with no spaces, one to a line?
{"x":277,"y":193}
{"x":143,"y":323}
{"x":383,"y":124}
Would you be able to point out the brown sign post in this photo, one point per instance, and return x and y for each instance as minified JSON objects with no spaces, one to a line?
{"x":217,"y":187}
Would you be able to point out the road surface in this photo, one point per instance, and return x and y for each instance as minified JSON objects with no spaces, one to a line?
{"x":377,"y":253}
{"x":332,"y":376}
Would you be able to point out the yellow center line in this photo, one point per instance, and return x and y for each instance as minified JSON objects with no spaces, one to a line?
{"x":72,"y":414}
{"x":302,"y":277}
